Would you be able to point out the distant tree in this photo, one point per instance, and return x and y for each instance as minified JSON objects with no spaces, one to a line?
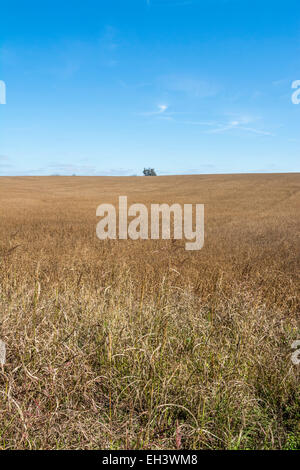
{"x":149,"y":172}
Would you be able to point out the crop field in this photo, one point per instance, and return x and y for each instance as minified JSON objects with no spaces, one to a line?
{"x":122,"y":344}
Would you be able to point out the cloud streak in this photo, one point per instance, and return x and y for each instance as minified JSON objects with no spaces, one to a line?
{"x":161,"y":109}
{"x":216,"y":127}
{"x":239,"y":125}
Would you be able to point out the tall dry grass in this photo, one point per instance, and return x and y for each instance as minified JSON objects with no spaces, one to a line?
{"x":137,"y":345}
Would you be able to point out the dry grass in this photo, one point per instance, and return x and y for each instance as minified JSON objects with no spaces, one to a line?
{"x":137,"y":345}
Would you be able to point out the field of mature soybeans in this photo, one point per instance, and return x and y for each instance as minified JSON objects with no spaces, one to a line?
{"x":142,"y":344}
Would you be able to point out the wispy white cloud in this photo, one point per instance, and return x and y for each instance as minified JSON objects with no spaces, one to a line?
{"x":161,"y":109}
{"x":239,"y":124}
{"x":257,"y":131}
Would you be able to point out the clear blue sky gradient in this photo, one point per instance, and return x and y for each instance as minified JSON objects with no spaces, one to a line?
{"x":107,"y":87}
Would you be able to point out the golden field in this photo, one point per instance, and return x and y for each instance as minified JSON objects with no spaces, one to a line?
{"x":142,"y":344}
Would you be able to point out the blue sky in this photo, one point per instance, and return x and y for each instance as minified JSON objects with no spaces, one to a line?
{"x":108,"y":87}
